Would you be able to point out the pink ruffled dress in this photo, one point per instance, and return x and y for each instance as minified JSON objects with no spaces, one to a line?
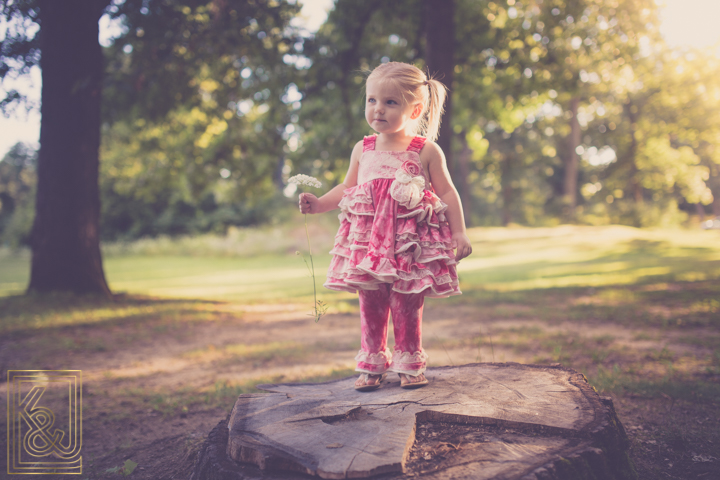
{"x":393,"y":229}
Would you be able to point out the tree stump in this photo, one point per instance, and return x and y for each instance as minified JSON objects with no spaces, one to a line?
{"x":479,"y":421}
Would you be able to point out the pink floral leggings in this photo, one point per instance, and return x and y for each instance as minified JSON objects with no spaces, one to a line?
{"x":374,"y":356}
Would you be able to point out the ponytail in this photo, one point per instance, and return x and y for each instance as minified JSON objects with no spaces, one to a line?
{"x":430,"y":123}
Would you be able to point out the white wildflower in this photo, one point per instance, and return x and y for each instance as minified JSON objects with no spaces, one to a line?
{"x":305,"y":180}
{"x":319,"y":307}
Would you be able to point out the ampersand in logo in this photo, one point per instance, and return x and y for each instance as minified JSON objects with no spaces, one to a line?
{"x":41,"y":440}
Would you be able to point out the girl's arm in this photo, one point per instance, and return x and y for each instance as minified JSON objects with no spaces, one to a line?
{"x":309,"y":203}
{"x":444,"y":188}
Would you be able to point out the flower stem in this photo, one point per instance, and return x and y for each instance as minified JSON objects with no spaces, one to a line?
{"x":312,"y":268}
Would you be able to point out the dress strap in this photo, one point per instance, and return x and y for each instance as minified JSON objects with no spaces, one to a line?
{"x":369,"y":143}
{"x":416,"y":144}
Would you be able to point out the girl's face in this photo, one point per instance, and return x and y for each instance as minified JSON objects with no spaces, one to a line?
{"x":385,"y":110}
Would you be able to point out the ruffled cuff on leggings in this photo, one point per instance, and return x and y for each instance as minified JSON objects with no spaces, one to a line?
{"x":374,"y":363}
{"x":409,"y":363}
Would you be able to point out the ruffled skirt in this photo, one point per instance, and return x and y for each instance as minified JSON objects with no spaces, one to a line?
{"x":380,"y":241}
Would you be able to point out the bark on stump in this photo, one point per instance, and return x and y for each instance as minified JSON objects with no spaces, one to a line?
{"x":479,"y":421}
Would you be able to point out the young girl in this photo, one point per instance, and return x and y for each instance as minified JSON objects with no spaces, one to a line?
{"x":400,"y":219}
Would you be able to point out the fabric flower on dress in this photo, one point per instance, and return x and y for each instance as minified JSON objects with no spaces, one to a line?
{"x":411,"y":168}
{"x":409,"y":185}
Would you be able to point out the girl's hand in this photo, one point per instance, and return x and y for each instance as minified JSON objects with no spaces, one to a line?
{"x":462,"y":243}
{"x":308,"y":203}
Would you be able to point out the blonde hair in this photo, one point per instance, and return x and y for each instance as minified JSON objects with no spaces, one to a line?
{"x":416,"y":86}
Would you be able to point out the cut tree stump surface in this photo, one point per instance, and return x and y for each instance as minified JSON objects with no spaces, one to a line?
{"x":473,"y":421}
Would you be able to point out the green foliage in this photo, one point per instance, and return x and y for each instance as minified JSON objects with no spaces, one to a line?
{"x":190,"y":54}
{"x":196,"y":100}
{"x":18,"y":179}
{"x":518,"y":67}
{"x":182,"y":176}
{"x":125,"y":470}
{"x":210,"y":106}
{"x":19,"y":50}
{"x":665,"y":133}
{"x":517,"y":75}
{"x":666,"y":169}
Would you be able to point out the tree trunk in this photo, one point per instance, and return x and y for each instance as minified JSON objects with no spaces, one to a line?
{"x":507,"y":190}
{"x":714,"y":185}
{"x":440,"y":60}
{"x":507,"y":169}
{"x":464,"y":157}
{"x":363,"y":12}
{"x":635,"y":185}
{"x":65,"y":240}
{"x":571,"y":162}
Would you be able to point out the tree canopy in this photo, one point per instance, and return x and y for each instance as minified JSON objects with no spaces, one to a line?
{"x":562,"y":110}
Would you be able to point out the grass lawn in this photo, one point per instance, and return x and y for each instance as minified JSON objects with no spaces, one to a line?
{"x":195,"y":322}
